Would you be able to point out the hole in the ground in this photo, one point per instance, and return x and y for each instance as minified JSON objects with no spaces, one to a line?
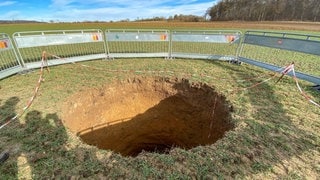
{"x":149,"y":114}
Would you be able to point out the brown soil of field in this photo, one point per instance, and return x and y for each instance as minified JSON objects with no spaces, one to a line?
{"x":235,"y":25}
{"x":148,"y":114}
{"x":244,"y":25}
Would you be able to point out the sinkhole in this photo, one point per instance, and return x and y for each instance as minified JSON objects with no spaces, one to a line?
{"x":148,"y":114}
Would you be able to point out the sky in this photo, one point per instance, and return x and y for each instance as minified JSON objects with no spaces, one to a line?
{"x":99,"y":10}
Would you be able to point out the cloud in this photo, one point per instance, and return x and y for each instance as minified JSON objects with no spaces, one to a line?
{"x":104,"y":10}
{"x":58,"y":3}
{"x":7,"y":3}
{"x":11,"y":15}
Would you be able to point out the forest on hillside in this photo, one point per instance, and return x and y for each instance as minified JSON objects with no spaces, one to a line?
{"x":265,"y":10}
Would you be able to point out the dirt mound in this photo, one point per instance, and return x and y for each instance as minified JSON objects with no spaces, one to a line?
{"x":148,"y":114}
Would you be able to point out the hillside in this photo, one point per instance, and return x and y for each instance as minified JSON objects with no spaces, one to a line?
{"x":17,"y":21}
{"x":265,"y":10}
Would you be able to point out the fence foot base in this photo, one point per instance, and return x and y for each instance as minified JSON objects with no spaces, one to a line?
{"x":235,"y":62}
{"x":25,"y":71}
{"x":316,"y":87}
{"x":4,"y":156}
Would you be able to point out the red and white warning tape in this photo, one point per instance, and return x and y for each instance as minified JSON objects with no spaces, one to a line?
{"x":29,"y":103}
{"x":302,"y":92}
{"x":289,"y":69}
{"x":212,"y":115}
{"x":258,"y":83}
{"x":284,"y":71}
{"x":44,"y":63}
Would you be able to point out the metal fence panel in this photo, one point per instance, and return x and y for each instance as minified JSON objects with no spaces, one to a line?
{"x":293,"y":42}
{"x":9,"y":62}
{"x":69,"y":45}
{"x":272,"y":50}
{"x":217,"y":45}
{"x":137,"y":43}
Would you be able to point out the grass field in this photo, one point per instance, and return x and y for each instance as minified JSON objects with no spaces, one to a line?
{"x":238,"y":25}
{"x":276,"y":134}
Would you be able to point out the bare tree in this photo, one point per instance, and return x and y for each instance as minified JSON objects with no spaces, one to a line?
{"x":262,"y":10}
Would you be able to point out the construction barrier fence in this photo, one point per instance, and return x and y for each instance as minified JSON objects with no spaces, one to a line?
{"x":123,"y":43}
{"x":269,"y":50}
{"x":71,"y":45}
{"x":9,"y":61}
{"x":272,"y":50}
{"x":205,"y":44}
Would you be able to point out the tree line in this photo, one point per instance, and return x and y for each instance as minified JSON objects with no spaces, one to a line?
{"x":265,"y":10}
{"x":176,"y":17}
{"x":17,"y":21}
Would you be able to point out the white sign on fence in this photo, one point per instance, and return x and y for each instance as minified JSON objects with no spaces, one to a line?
{"x":36,"y":39}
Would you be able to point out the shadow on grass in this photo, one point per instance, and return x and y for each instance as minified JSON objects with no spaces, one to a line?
{"x":8,"y":109}
{"x":267,"y":137}
{"x":315,"y":91}
{"x":38,"y":149}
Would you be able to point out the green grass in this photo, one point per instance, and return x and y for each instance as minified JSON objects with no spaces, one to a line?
{"x":64,"y":51}
{"x":303,"y":62}
{"x":276,"y":128}
{"x":138,"y":47}
{"x":276,"y":133}
{"x":205,"y":48}
{"x":7,"y":59}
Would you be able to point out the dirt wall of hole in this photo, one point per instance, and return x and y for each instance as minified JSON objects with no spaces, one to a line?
{"x":148,"y":114}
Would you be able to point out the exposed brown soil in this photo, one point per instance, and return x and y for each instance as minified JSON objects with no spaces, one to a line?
{"x":261,"y":25}
{"x":148,"y":114}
